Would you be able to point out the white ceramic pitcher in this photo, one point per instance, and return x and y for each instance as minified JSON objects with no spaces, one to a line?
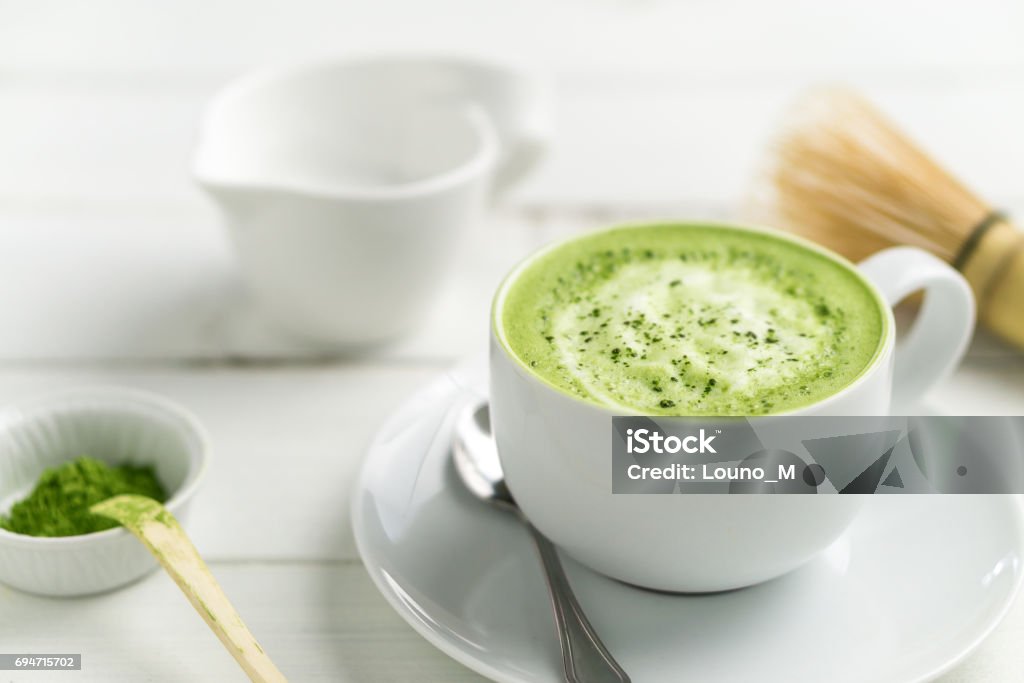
{"x":346,"y":184}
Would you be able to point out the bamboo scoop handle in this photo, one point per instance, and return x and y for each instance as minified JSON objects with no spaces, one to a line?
{"x":995,"y":270}
{"x":163,"y":536}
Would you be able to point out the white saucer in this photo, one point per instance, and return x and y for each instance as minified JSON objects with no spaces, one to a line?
{"x":912,"y":588}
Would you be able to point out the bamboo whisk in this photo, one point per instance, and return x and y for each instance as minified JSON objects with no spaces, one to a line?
{"x":841,"y":174}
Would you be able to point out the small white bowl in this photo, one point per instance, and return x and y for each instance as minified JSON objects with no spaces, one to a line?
{"x":113,"y":425}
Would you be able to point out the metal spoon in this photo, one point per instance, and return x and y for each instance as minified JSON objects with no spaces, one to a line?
{"x":584,"y":656}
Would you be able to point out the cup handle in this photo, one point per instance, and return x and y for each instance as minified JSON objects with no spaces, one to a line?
{"x":519,"y":103}
{"x":516,"y":99}
{"x":939,"y":336}
{"x":522,"y":154}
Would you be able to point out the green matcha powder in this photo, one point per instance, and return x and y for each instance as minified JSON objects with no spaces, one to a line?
{"x":59,"y":504}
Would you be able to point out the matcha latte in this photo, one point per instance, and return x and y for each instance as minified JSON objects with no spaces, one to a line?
{"x":692,"y":320}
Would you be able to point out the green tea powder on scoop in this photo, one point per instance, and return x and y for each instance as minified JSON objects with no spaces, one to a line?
{"x":59,"y":503}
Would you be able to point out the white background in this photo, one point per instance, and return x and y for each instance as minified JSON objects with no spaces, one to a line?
{"x":114,"y":269}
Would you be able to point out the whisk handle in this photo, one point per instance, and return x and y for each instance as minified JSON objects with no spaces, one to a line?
{"x":938,"y":338}
{"x":995,"y":269}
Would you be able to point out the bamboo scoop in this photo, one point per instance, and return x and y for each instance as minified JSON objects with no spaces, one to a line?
{"x":163,"y":536}
{"x":841,"y":174}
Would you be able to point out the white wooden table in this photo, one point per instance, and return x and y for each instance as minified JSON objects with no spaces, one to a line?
{"x":113,"y":268}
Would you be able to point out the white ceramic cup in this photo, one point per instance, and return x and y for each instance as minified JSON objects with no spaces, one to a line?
{"x":556,"y":450}
{"x":347,"y":185}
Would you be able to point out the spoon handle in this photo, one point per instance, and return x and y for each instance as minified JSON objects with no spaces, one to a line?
{"x":160,"y":532}
{"x":584,"y":656}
